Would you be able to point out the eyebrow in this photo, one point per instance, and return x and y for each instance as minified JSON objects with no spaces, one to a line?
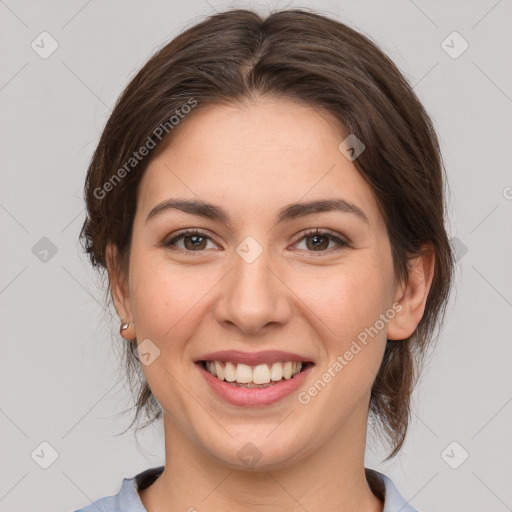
{"x":286,"y":214}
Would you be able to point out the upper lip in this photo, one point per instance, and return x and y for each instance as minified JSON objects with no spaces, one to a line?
{"x":253,"y":358}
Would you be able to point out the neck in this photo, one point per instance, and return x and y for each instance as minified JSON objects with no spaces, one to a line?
{"x":331,"y":477}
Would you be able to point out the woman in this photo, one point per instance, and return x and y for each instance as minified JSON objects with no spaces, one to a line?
{"x":267,"y":198}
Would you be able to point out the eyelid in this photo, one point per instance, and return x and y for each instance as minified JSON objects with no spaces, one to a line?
{"x":321,"y":232}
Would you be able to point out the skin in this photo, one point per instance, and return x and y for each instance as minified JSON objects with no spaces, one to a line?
{"x":252,"y":160}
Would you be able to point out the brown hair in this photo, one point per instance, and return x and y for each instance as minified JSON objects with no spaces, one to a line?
{"x":238,"y":55}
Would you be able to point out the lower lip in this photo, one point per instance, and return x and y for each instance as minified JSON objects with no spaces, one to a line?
{"x":253,"y":396}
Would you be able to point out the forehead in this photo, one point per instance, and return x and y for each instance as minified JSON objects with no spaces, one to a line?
{"x":256,"y":158}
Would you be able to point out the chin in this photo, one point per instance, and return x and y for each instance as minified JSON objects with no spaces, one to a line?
{"x":249,"y":451}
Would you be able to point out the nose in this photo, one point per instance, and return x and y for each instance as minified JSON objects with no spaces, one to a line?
{"x":253,"y":297}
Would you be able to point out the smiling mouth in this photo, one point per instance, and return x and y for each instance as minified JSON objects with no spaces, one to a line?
{"x":259,"y":376}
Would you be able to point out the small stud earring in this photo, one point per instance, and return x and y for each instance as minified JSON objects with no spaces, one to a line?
{"x":123,"y":327}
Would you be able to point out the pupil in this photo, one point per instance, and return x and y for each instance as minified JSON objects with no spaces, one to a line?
{"x":196,"y":241}
{"x":318,"y":241}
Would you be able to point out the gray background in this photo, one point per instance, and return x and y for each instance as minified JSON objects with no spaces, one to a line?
{"x":59,"y":381}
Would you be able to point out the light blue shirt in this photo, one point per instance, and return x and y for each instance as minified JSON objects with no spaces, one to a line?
{"x":128,"y":500}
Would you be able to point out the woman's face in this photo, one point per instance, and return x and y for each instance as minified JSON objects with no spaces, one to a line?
{"x":256,"y":286}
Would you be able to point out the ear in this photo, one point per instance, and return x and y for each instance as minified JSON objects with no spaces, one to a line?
{"x":120,"y":291}
{"x":412,"y":295}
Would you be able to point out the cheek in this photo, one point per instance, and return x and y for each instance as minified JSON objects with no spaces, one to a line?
{"x":346,"y":300}
{"x":167,"y":299}
{"x":350,"y":303}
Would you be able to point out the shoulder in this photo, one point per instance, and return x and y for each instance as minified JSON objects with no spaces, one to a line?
{"x":383,"y":487}
{"x":127,"y":499}
{"x":108,"y":504}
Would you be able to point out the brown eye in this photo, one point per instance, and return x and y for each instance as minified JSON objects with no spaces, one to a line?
{"x":318,"y":241}
{"x":193,"y":241}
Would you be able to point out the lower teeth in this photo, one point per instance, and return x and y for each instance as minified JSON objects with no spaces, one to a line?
{"x":251,"y":384}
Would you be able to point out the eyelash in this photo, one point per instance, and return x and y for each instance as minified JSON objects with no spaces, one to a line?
{"x":331,"y":235}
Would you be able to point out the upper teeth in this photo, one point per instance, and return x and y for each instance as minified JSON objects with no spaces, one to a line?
{"x":261,"y":374}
